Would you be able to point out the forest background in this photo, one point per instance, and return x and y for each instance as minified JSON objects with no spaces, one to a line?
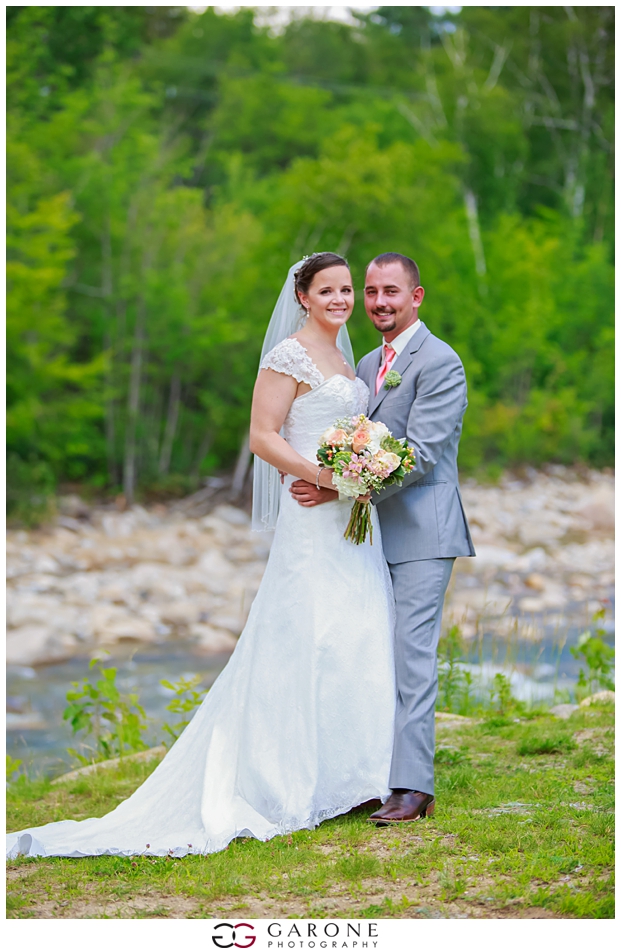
{"x":166,"y":167}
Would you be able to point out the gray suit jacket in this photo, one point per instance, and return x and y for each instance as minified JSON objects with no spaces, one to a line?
{"x":424,"y":518}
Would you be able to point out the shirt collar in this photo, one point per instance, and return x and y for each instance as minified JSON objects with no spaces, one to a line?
{"x":400,"y":342}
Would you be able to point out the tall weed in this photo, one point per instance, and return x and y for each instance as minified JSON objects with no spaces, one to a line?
{"x":598,"y":657}
{"x":115,"y":722}
{"x":454,"y":682}
{"x":186,"y":698}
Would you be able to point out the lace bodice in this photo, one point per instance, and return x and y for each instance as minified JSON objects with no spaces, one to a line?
{"x":328,"y":400}
{"x":292,"y":359}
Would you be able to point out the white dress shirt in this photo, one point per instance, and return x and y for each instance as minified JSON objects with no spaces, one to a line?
{"x":400,"y":342}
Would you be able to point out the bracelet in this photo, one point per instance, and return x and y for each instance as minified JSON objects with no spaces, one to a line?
{"x":319,"y":471}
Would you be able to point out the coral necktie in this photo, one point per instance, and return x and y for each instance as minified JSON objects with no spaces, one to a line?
{"x":389,"y":355}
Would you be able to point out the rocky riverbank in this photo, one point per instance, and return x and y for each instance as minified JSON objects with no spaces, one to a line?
{"x":100,"y":578}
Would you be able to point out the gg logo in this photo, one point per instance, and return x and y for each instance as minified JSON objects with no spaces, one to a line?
{"x":226,"y":940}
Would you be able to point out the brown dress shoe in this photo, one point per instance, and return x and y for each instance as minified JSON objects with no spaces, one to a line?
{"x":404,"y":805}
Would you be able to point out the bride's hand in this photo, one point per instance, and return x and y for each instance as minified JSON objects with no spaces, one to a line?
{"x":364,"y":498}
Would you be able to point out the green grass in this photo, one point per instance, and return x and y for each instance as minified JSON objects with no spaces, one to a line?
{"x":535,"y":744}
{"x":523,"y":828}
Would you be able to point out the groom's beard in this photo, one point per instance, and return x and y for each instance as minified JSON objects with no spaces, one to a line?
{"x":387,"y":327}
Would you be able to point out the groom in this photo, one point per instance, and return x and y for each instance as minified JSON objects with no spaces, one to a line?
{"x":423,"y":524}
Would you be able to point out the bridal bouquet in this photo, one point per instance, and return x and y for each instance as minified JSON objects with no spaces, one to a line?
{"x":363,"y":457}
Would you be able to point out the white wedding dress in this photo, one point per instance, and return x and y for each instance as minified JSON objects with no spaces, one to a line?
{"x":298,"y":727}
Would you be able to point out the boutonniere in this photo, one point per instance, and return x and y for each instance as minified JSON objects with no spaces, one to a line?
{"x":392,"y":378}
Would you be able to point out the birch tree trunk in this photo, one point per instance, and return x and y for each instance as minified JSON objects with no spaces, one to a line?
{"x":133,"y":402}
{"x":109,"y":346}
{"x":474,"y":231}
{"x":135,"y":381}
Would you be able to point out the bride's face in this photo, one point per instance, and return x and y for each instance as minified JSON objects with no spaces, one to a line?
{"x":330,"y":297}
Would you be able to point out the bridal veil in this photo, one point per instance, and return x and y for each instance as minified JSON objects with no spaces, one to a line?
{"x":288,"y":317}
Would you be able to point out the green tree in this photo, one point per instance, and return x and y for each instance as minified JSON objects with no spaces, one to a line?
{"x":166,"y":167}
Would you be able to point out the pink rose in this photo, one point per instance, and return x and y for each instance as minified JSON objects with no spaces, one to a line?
{"x":359,"y":440}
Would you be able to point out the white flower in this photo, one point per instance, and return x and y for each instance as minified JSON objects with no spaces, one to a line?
{"x":387,"y":462}
{"x":346,"y":487}
{"x":377,"y":432}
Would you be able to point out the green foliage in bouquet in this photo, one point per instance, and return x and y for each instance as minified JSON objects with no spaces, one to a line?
{"x":337,"y":460}
{"x":404,"y":451}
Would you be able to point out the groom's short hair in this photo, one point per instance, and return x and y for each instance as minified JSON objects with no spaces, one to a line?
{"x":409,"y":266}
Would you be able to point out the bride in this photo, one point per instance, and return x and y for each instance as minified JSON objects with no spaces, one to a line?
{"x":298,"y":727}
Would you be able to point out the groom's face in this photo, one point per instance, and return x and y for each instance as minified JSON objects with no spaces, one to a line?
{"x":389,"y":298}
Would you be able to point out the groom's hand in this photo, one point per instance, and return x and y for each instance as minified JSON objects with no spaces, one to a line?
{"x":308,"y":495}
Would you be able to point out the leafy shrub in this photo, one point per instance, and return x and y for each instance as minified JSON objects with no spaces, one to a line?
{"x":116,"y":722}
{"x":454,"y":682}
{"x":12,"y":765}
{"x":186,"y":698}
{"x":502,"y":698}
{"x":598,"y":656}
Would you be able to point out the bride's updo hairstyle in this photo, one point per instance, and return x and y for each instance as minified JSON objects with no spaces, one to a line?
{"x":303,"y":276}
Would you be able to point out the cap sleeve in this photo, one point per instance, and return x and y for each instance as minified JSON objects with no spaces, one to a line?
{"x":290,"y":357}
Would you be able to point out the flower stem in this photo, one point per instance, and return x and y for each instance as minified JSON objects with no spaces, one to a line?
{"x":359,"y":524}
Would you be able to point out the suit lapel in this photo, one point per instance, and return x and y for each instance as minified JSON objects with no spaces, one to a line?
{"x":375,"y":358}
{"x":400,"y":365}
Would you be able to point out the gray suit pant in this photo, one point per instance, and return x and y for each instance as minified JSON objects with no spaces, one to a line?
{"x":419,"y":588}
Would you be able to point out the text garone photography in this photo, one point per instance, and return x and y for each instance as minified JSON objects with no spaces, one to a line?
{"x":305,"y":934}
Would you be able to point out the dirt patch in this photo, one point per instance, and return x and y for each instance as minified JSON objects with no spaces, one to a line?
{"x":584,"y":788}
{"x":20,"y":871}
{"x":394,"y":899}
{"x":166,"y":906}
{"x":328,"y":849}
{"x":592,"y":739}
